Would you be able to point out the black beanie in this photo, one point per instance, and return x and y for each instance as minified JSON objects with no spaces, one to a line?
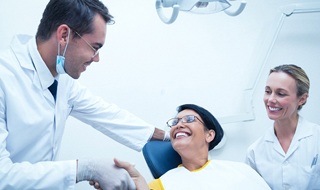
{"x":209,"y":120}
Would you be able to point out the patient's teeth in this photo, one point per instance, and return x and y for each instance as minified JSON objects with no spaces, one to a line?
{"x":181,"y":134}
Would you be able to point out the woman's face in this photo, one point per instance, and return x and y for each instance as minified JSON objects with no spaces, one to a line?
{"x":280,"y":96}
{"x":190,"y":136}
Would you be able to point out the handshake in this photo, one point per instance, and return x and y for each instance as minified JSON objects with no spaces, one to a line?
{"x":116,"y":175}
{"x":106,"y":175}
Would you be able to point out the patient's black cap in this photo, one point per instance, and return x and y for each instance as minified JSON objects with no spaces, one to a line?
{"x":209,"y":120}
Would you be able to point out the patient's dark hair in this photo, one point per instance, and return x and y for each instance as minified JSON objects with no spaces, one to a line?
{"x":77,"y":14}
{"x":209,"y":120}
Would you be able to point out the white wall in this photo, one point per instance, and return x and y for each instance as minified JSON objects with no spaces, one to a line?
{"x":149,"y":68}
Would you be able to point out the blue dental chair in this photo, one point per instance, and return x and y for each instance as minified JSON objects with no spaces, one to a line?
{"x":160,"y":157}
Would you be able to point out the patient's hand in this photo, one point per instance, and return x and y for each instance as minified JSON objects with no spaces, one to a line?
{"x":139,"y":180}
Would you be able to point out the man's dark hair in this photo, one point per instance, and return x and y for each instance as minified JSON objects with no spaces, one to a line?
{"x":77,"y":14}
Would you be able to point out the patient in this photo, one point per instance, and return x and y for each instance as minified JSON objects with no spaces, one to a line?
{"x":195,"y":131}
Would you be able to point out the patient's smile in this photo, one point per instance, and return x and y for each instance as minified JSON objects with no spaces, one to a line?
{"x":181,"y":135}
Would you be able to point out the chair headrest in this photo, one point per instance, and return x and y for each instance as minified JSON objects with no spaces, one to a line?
{"x":160,"y":157}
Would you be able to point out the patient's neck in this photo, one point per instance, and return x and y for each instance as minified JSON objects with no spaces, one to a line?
{"x":192,"y":165}
{"x":194,"y":161}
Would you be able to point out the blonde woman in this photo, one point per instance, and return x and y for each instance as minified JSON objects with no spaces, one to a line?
{"x":287,"y":155}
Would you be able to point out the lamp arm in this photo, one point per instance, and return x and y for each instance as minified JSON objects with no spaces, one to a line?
{"x":238,"y":11}
{"x":164,"y":19}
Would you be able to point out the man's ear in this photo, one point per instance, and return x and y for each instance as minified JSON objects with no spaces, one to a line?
{"x":63,"y":33}
{"x":210,"y":135}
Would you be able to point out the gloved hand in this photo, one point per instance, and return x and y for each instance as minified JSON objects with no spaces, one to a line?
{"x":109,"y":176}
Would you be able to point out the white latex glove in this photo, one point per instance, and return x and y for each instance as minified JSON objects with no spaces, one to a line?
{"x":109,"y":176}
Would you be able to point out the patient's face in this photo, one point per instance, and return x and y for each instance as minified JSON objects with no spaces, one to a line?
{"x":189,"y":136}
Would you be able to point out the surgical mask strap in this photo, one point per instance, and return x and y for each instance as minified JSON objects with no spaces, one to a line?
{"x":65,"y":49}
{"x":60,"y":58}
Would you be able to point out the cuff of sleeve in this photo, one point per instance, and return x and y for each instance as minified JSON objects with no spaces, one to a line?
{"x":166,"y":136}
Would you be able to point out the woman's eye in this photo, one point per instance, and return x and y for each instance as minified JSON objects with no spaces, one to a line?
{"x":190,"y":118}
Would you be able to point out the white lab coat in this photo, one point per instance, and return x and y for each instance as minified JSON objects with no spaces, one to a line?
{"x":291,"y":170}
{"x":32,"y":124}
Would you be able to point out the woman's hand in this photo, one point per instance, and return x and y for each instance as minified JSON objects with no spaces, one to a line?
{"x":139,"y":180}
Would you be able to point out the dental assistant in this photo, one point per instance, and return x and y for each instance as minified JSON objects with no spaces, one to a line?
{"x":287,"y":155}
{"x":33,"y":116}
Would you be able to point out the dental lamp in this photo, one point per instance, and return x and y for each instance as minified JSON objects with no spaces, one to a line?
{"x":195,"y":6}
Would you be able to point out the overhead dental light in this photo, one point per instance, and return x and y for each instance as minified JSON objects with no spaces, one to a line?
{"x":195,"y":6}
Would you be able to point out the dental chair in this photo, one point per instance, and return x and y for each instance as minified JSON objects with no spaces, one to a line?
{"x":160,"y":157}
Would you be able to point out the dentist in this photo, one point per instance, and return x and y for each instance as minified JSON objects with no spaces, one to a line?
{"x":39,"y":91}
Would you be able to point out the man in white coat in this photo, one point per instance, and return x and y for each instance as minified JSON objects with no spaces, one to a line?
{"x":38,"y":92}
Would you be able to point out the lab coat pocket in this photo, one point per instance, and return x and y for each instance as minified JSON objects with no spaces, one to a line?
{"x":312,"y":177}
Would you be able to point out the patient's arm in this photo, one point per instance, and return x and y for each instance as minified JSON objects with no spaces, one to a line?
{"x":138,"y":179}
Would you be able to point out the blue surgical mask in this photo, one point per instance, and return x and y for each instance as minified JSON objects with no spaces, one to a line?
{"x":60,"y":58}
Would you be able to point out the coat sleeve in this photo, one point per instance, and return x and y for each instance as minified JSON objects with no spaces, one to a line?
{"x":118,"y":124}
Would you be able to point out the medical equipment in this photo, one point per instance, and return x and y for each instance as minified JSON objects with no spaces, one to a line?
{"x":195,"y":6}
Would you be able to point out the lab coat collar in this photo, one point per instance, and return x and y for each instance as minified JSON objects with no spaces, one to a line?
{"x":303,"y":130}
{"x":19,"y":47}
{"x":22,"y":43}
{"x":44,"y":74}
